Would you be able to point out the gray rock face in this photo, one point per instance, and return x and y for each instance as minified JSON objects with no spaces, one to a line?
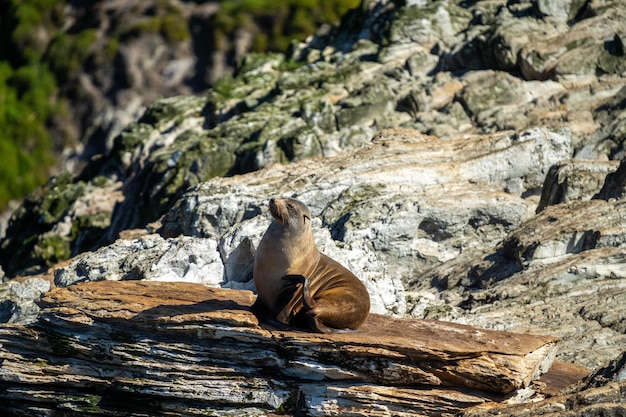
{"x":443,"y":68}
{"x":563,"y":271}
{"x":576,"y":179}
{"x":510,"y":217}
{"x":18,"y":300}
{"x":388,"y":210}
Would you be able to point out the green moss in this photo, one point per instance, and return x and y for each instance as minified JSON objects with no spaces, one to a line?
{"x":228,"y":88}
{"x":437,"y":312}
{"x":194,"y":159}
{"x":171,"y":111}
{"x":100,"y":220}
{"x":68,"y":53}
{"x":29,"y":16}
{"x":133,"y":136}
{"x":42,"y":363}
{"x":52,"y":248}
{"x":255,"y":61}
{"x":168,"y":21}
{"x":174,"y":28}
{"x":25,"y":144}
{"x":274,"y":23}
{"x":84,"y":403}
{"x":100,"y":181}
{"x":61,"y":193}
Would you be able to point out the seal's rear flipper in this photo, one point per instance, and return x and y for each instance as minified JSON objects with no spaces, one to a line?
{"x":312,"y":321}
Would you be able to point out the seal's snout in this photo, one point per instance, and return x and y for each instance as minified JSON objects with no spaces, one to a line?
{"x":276,"y":211}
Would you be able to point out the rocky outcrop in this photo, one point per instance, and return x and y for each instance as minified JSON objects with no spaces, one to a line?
{"x":389,"y":210}
{"x":445,"y":69}
{"x":185,"y":349}
{"x":567,"y":263}
{"x":461,"y":159}
{"x":601,"y":393}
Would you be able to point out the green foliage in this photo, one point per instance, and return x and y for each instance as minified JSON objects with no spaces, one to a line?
{"x":67,"y":53}
{"x":39,"y":52}
{"x":168,"y":21}
{"x":274,"y":23}
{"x":25,"y":144}
{"x":30,"y":17}
{"x":174,"y":26}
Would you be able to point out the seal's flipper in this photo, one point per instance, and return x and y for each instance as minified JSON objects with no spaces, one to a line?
{"x":258,"y":305}
{"x":289,"y":298}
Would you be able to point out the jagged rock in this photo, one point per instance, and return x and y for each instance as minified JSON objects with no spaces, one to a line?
{"x":366,"y":181}
{"x":388,"y":65}
{"x":70,"y":216}
{"x":559,"y":271}
{"x":594,"y":396}
{"x":558,"y":10}
{"x":186,"y":349}
{"x":576,"y":179}
{"x":150,"y":258}
{"x":615,"y":184}
{"x":442,"y":229}
{"x":364,"y":221}
{"x":18,"y":300}
{"x":614,"y":371}
{"x":576,"y":52}
{"x":608,"y":139}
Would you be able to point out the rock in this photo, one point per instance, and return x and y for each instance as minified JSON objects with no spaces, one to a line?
{"x":351,"y":194}
{"x":184,"y":346}
{"x":615,"y":184}
{"x":18,"y":305}
{"x":574,"y":180}
{"x":43,"y":232}
{"x":433,"y":143}
{"x":574,"y":53}
{"x":593,"y":396}
{"x":361,"y":225}
{"x":150,"y":258}
{"x":558,"y":10}
{"x":445,"y":69}
{"x":557,"y":271}
{"x":608,"y":139}
{"x":614,"y":371}
{"x":594,"y":402}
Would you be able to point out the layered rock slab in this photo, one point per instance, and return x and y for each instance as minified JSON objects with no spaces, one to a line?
{"x":388,"y":210}
{"x":562,"y":272}
{"x":187,"y":349}
{"x":602,"y":393}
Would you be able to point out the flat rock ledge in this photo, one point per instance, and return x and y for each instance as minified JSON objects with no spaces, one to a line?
{"x":114,"y":348}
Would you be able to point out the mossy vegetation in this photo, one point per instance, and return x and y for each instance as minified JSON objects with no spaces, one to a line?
{"x":164,"y":19}
{"x":25,"y":144}
{"x":29,"y":100}
{"x":275,"y":23}
{"x":42,"y":52}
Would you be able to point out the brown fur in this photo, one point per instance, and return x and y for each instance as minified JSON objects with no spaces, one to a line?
{"x":298,"y":283}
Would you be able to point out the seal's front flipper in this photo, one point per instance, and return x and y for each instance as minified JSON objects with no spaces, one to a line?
{"x":258,"y":305}
{"x":290,"y":298}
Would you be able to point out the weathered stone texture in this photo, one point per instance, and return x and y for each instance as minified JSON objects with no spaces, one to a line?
{"x":170,"y":345}
{"x":462,"y":158}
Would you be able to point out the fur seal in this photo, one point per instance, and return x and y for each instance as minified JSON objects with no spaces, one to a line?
{"x":299,"y":284}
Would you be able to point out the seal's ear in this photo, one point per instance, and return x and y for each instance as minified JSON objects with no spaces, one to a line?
{"x":306,"y":218}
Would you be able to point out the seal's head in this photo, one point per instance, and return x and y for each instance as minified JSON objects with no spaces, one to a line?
{"x":290,"y":213}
